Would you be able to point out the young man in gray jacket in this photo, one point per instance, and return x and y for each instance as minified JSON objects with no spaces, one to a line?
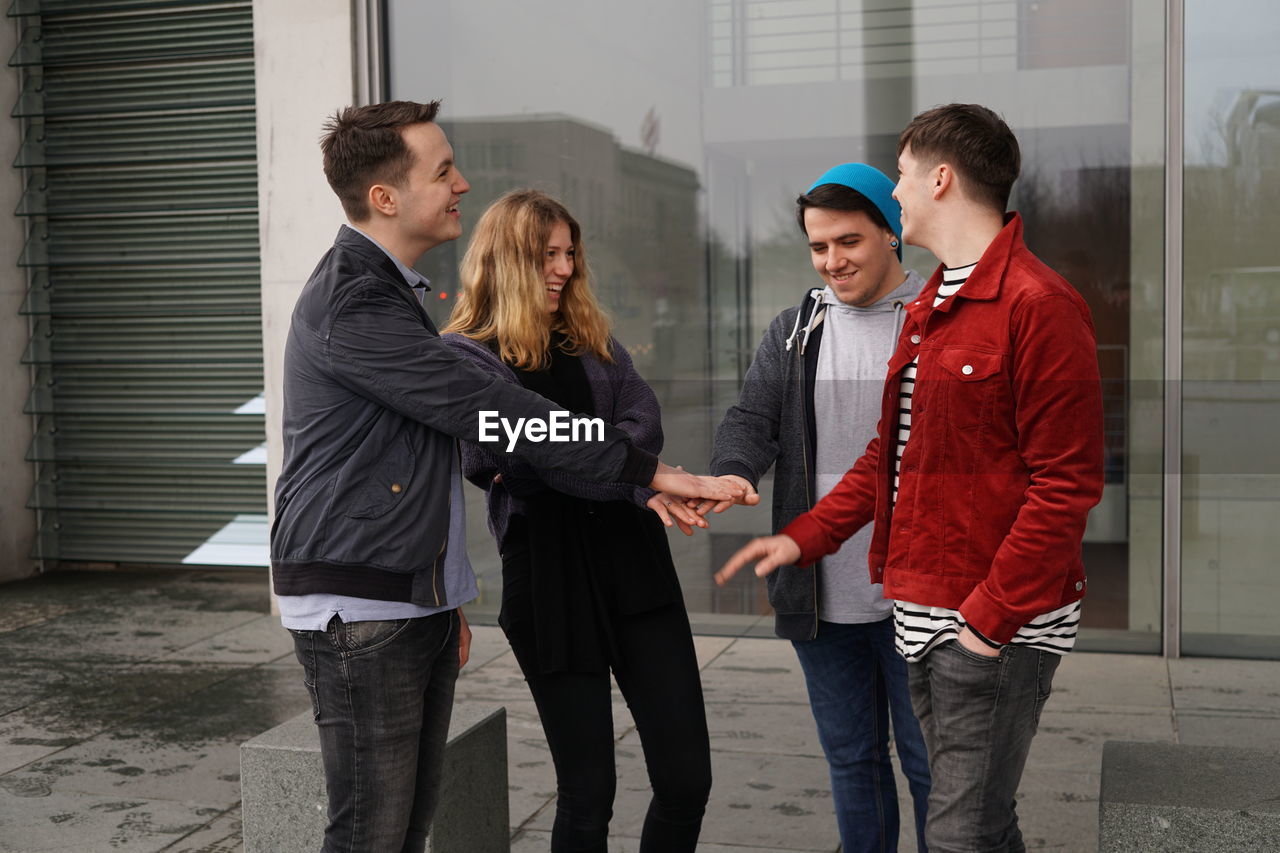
{"x":809,"y":404}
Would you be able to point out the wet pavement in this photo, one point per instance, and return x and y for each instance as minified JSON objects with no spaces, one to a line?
{"x":124,"y":701}
{"x":125,"y":698}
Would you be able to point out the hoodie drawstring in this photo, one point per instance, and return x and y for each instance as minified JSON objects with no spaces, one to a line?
{"x":792,"y":337}
{"x":819,"y":311}
{"x":816,"y":296}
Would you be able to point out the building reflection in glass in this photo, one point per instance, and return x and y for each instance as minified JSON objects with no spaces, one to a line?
{"x":684,"y":171}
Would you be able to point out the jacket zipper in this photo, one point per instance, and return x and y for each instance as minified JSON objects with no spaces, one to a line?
{"x":808,"y":486}
{"x":435,"y":571}
{"x":444,"y":546}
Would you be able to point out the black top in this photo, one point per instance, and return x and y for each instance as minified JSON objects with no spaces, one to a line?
{"x":583,"y":562}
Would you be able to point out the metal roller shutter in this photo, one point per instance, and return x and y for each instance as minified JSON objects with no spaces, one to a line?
{"x":141,"y":192}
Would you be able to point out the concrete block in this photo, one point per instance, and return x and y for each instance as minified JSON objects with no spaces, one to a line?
{"x":283,"y":794}
{"x":1170,"y":798}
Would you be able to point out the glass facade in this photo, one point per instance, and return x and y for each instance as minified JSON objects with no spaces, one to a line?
{"x":680,"y":134}
{"x":1231,"y":330}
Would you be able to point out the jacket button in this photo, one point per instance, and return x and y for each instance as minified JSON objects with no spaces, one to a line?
{"x":967,"y":369}
{"x":396,"y":488}
{"x":915,"y":339}
{"x":1079,"y":585}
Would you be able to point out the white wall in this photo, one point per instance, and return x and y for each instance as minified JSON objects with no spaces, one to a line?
{"x":17,"y":523}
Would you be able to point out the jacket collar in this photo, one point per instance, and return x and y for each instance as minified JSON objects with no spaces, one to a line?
{"x":984,"y":282}
{"x":353,"y":240}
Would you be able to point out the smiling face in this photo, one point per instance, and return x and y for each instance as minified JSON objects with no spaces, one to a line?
{"x":851,"y":254}
{"x":914,"y":193}
{"x":557,"y":263}
{"x":427,"y":201}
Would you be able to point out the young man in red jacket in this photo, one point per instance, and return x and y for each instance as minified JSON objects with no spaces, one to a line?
{"x":979,"y":482}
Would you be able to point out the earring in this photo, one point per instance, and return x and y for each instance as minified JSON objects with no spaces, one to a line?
{"x":893,"y":244}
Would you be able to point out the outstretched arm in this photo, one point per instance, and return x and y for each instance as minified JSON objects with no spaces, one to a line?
{"x":378,"y":347}
{"x":746,"y":441}
{"x":481,"y":464}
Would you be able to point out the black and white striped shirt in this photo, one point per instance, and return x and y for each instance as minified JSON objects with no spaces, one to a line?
{"x":951,"y":282}
{"x":918,"y":628}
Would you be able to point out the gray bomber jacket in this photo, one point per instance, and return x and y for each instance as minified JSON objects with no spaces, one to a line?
{"x":373,"y":403}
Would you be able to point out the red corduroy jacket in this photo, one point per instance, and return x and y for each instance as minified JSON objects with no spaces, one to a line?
{"x":1005,"y":456}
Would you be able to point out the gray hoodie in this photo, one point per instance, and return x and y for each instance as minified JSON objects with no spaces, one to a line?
{"x":817,"y":379}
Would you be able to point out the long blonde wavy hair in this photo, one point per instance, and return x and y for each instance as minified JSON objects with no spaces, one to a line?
{"x":504,"y":295}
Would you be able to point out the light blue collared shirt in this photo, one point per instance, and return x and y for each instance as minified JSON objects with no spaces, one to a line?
{"x":313,"y":612}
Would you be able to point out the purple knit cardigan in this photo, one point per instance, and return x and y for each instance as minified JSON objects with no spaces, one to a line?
{"x":620,"y":397}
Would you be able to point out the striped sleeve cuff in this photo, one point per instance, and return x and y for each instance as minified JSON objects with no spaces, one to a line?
{"x":991,"y":644}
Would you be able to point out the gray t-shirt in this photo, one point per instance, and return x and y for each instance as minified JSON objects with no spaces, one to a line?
{"x":853,"y":355}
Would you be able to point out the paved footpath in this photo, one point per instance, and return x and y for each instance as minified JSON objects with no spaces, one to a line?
{"x":125,"y":697}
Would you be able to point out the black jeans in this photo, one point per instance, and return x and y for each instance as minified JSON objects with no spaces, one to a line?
{"x":978,"y":715}
{"x":659,"y":679}
{"x":382,"y":693}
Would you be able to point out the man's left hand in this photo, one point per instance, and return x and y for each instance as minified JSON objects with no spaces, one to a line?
{"x":973,"y":644}
{"x":749,"y":498}
{"x":676,"y":481}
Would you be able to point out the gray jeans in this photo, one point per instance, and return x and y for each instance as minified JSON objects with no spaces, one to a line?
{"x":978,"y":715}
{"x":382,"y":694}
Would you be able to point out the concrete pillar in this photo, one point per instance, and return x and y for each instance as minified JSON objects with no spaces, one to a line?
{"x":17,"y":523}
{"x":303,"y":58}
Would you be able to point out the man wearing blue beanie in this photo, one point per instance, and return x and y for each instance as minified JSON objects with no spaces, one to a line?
{"x":809,"y":405}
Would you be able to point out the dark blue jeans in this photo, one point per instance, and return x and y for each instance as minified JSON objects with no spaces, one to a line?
{"x":978,"y":715}
{"x":382,"y":693}
{"x":857,"y":682}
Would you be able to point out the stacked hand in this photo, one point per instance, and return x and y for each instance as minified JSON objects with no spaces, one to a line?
{"x":684,"y":498}
{"x":676,"y":481}
{"x":669,"y":507}
{"x":749,"y":497}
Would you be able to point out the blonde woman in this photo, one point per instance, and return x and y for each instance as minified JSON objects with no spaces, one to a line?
{"x":589,"y":588}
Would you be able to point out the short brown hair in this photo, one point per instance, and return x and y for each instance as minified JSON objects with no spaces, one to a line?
{"x":363,"y":146}
{"x":974,"y":141}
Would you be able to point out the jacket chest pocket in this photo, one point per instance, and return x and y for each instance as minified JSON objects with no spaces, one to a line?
{"x":966,"y":384}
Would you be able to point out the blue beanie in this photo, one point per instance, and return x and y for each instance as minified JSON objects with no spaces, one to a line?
{"x":872,"y":183}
